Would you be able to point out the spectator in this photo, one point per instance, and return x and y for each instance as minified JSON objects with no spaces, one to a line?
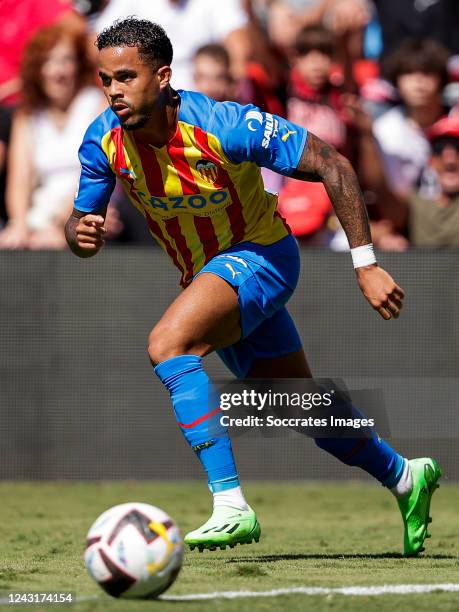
{"x":274,"y":27}
{"x":315,"y":103}
{"x":190,"y":24}
{"x":433,"y":221}
{"x":313,"y":100}
{"x":211,"y":72}
{"x":57,"y":106}
{"x":419,"y":70}
{"x":18,"y":22}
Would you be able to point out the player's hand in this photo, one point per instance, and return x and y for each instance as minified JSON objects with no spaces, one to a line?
{"x":90,"y":232}
{"x":381,"y":291}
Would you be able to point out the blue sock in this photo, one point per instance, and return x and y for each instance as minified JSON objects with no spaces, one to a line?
{"x":370,"y":453}
{"x":198,"y":412}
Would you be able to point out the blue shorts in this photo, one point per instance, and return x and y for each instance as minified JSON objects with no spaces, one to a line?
{"x":265,"y":278}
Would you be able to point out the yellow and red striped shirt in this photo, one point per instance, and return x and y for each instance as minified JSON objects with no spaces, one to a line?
{"x":202,"y":192}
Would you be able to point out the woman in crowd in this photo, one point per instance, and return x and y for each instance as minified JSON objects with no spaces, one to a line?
{"x":58,"y":103}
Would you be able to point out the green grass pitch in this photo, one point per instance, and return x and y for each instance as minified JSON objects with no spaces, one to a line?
{"x":327,"y":535}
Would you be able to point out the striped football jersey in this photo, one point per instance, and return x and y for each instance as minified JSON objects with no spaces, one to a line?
{"x":202,"y":192}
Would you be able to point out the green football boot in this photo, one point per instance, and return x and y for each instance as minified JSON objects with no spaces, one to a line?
{"x":415,"y":506}
{"x":226,"y":527}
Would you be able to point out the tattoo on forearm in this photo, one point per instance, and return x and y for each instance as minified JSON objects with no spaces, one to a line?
{"x":321,"y":162}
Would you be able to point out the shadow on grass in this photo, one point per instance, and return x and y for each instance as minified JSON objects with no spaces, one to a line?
{"x":332,"y":556}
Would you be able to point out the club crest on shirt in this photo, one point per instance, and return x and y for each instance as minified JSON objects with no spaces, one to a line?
{"x":208,"y":171}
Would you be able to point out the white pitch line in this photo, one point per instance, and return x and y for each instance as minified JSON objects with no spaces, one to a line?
{"x":386,"y":589}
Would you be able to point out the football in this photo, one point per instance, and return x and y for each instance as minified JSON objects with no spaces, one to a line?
{"x":134,"y":551}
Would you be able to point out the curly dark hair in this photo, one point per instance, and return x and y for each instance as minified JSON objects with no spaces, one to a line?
{"x":150,"y":39}
{"x":417,"y":55}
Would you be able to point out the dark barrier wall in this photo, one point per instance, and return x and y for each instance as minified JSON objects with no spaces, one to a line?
{"x":79,"y":399}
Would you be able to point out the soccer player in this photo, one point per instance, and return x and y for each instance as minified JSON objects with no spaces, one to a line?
{"x":191,"y":166}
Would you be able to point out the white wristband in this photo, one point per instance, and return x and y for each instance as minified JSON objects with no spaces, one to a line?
{"x":363,"y":256}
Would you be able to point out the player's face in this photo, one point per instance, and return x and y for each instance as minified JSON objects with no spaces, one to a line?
{"x":131,"y":86}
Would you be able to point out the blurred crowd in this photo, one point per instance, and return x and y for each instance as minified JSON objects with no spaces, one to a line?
{"x":378,"y":79}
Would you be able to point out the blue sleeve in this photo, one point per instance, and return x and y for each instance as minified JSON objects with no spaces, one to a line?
{"x":97,"y":180}
{"x":248,"y":134}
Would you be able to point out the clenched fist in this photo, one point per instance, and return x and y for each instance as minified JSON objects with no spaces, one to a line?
{"x":85,"y":235}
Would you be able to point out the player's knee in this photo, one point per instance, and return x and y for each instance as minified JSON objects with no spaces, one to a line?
{"x":164,"y":343}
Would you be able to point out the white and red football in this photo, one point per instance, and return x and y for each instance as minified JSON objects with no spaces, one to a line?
{"x":134,"y":551}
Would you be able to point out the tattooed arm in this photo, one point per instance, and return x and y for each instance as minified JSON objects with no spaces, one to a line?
{"x":321,"y":162}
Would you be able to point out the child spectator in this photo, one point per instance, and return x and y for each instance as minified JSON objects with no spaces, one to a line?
{"x":211,"y":72}
{"x":313,"y":102}
{"x":57,"y":106}
{"x":419,"y":70}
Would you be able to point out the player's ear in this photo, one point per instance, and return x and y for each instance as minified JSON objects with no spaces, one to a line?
{"x":164,"y":74}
